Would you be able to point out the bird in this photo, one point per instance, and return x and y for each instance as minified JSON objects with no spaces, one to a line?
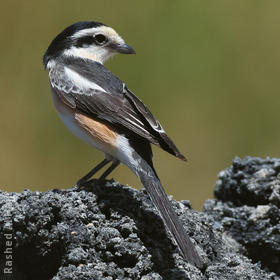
{"x":100,"y":110}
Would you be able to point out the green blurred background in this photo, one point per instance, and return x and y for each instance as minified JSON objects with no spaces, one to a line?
{"x":209,"y":71}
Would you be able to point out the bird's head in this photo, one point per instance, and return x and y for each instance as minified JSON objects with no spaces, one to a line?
{"x":88,"y":40}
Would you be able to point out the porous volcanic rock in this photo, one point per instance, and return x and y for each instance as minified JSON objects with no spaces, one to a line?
{"x":110,"y":231}
{"x":247,"y":208}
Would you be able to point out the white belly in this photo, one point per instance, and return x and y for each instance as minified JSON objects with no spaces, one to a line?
{"x":87,"y":133}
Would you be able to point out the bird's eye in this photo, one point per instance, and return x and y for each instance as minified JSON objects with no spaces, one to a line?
{"x":100,"y":39}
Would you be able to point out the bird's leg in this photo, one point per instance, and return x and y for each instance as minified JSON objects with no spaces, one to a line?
{"x":109,"y":170}
{"x":84,"y":179}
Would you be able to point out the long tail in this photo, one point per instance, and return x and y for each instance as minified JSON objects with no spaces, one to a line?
{"x":158,"y":196}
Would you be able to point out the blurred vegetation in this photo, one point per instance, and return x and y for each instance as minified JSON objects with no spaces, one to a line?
{"x":208,"y":71}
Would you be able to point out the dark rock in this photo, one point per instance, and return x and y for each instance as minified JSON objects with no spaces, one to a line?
{"x":250,"y":181}
{"x":247,"y":208}
{"x":109,"y":231}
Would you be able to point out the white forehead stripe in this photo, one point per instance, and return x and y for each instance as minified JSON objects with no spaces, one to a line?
{"x":105,"y":30}
{"x":84,"y":32}
{"x":81,"y":82}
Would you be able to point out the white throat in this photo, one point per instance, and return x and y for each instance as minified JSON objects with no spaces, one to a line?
{"x":95,"y":53}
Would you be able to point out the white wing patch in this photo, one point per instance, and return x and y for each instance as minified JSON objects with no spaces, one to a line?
{"x":82,"y":83}
{"x":136,"y":119}
{"x":137,"y":122}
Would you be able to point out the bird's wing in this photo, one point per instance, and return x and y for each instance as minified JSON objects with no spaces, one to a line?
{"x":97,"y":92}
{"x":166,"y":143}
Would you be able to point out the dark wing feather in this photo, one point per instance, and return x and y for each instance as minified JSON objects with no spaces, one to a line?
{"x":117,"y":105}
{"x":165,"y":142}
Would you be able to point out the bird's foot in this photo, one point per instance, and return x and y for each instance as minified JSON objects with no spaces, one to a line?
{"x":81,"y":183}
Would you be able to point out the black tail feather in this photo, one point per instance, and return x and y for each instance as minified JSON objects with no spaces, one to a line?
{"x":158,"y":196}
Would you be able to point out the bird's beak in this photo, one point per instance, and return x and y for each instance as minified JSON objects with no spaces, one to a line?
{"x":123,"y":48}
